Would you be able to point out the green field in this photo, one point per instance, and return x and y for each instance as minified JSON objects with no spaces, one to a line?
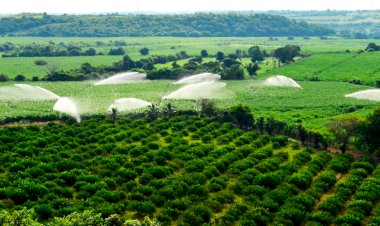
{"x":161,"y":46}
{"x":335,"y":67}
{"x":314,"y":105}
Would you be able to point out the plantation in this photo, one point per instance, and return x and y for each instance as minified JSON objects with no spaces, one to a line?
{"x":185,"y":170}
{"x":232,"y":118}
{"x":363,"y":68}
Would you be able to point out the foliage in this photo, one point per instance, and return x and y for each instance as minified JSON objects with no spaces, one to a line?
{"x":185,"y":25}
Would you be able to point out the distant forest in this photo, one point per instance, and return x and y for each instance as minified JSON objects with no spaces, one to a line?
{"x":184,"y":25}
{"x":359,"y":24}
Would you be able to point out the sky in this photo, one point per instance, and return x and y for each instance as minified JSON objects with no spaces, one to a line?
{"x":109,"y":6}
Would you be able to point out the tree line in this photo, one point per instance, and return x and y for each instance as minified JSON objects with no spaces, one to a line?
{"x":182,"y":25}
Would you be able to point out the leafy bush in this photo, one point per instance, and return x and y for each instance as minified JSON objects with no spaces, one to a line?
{"x":341,"y":163}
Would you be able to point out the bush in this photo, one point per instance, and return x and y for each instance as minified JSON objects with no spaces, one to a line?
{"x":43,"y":212}
{"x":361,"y":206}
{"x":341,"y":163}
{"x":4,"y":78}
{"x":40,"y":62}
{"x":146,"y":207}
{"x":354,"y":219}
{"x":20,"y":78}
{"x":363,"y":165}
{"x":325,"y":218}
{"x":325,"y":180}
{"x":258,"y":216}
{"x":270,"y":180}
{"x":302,"y":179}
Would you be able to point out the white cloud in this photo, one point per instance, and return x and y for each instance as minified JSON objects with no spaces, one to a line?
{"x":77,"y":6}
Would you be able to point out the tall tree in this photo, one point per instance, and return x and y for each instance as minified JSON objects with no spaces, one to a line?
{"x":219,"y":56}
{"x":286,"y":54}
{"x":255,"y":54}
{"x":242,"y":116}
{"x":252,"y":69}
{"x":343,"y":130}
{"x":204,"y":53}
{"x":144,"y":51}
{"x":369,"y":132}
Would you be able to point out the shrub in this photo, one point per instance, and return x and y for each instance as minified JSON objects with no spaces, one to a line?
{"x":341,"y":163}
{"x":270,"y":180}
{"x":363,"y":165}
{"x":216,"y":184}
{"x":350,"y":218}
{"x":258,"y":216}
{"x":322,"y":217}
{"x":43,"y":212}
{"x":195,"y":165}
{"x":361,"y":206}
{"x":146,"y":207}
{"x":302,"y":179}
{"x":325,"y":180}
{"x":40,"y":62}
{"x":180,"y":204}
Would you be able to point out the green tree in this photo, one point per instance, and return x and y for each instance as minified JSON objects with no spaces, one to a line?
{"x":204,"y":53}
{"x":252,"y":69}
{"x":255,"y":54}
{"x":4,"y":78}
{"x":219,"y":56}
{"x":235,"y":72}
{"x":242,"y":116}
{"x":144,"y":51}
{"x":114,"y":114}
{"x":128,"y":63}
{"x":153,"y":111}
{"x":20,"y":78}
{"x":369,"y":132}
{"x":286,"y":54}
{"x":207,"y":108}
{"x":169,"y":110}
{"x":117,"y":51}
{"x":90,"y":52}
{"x":343,"y":130}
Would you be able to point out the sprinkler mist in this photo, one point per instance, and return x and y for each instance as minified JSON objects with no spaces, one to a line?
{"x":202,"y":90}
{"x":67,"y":106}
{"x":128,"y":104}
{"x":281,"y":81}
{"x":371,"y":94}
{"x":122,"y":78}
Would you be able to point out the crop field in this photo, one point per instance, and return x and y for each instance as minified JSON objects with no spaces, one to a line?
{"x":159,"y":46}
{"x":182,"y":171}
{"x":335,"y":67}
{"x":26,"y":66}
{"x":314,"y":105}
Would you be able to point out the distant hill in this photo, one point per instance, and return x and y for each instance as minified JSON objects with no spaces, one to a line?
{"x":184,"y":25}
{"x":349,"y":24}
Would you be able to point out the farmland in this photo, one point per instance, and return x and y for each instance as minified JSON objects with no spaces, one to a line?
{"x":314,"y":105}
{"x":185,"y":170}
{"x":335,"y":67}
{"x":261,"y":155}
{"x":158,"y":46}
